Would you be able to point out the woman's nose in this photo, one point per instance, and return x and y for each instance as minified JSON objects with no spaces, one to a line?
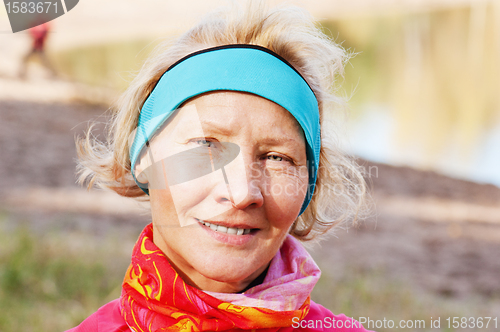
{"x":243,"y":183}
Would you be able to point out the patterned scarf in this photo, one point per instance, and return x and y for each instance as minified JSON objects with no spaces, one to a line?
{"x":154,"y":297}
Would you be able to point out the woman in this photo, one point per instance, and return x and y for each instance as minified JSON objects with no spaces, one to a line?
{"x":222,"y":130}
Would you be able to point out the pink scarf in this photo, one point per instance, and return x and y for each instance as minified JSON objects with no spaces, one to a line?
{"x":155,"y":298}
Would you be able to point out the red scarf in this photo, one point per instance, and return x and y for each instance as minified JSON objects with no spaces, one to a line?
{"x":154,"y":297}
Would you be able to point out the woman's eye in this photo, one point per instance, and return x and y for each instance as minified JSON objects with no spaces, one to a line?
{"x":204,"y":142}
{"x":275,"y":158}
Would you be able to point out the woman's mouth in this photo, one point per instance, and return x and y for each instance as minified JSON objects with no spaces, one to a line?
{"x":226,"y":230}
{"x":230,"y":235}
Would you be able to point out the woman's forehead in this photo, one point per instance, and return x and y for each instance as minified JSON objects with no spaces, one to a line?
{"x":229,"y":111}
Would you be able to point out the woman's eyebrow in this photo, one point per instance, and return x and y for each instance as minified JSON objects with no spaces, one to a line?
{"x":212,"y":126}
{"x":281,"y":139}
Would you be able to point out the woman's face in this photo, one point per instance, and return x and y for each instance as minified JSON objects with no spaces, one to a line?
{"x":220,"y":228}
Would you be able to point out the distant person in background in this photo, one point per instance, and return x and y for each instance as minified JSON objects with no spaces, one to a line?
{"x":38,"y":36}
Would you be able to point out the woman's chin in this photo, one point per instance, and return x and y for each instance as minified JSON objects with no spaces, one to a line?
{"x":230,"y":276}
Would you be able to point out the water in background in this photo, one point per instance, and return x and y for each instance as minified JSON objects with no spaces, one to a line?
{"x":426,"y":89}
{"x":373,"y":136}
{"x":425,"y":86}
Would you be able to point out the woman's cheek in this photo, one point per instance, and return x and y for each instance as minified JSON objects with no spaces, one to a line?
{"x":187,"y":195}
{"x":161,"y":207}
{"x":286,"y":190}
{"x":289,"y":183}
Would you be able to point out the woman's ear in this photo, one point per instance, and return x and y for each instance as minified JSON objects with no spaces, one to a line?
{"x":142,"y":178}
{"x":140,"y":168}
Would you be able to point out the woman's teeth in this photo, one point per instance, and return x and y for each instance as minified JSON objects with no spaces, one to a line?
{"x":224,"y":229}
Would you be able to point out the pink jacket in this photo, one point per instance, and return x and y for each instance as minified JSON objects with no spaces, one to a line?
{"x":109,"y":319}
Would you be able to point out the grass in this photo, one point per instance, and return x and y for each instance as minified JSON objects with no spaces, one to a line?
{"x":110,"y":65}
{"x":48,"y":283}
{"x":373,"y":294}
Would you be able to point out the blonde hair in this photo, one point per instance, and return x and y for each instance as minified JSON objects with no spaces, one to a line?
{"x":289,"y":31}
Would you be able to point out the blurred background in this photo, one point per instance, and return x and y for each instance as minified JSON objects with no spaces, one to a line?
{"x":424,"y":120}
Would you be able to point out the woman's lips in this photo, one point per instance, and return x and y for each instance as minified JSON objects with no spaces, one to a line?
{"x":230,"y":235}
{"x":224,"y":229}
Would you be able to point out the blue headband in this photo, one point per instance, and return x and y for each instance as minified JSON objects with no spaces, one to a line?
{"x":239,"y":67}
